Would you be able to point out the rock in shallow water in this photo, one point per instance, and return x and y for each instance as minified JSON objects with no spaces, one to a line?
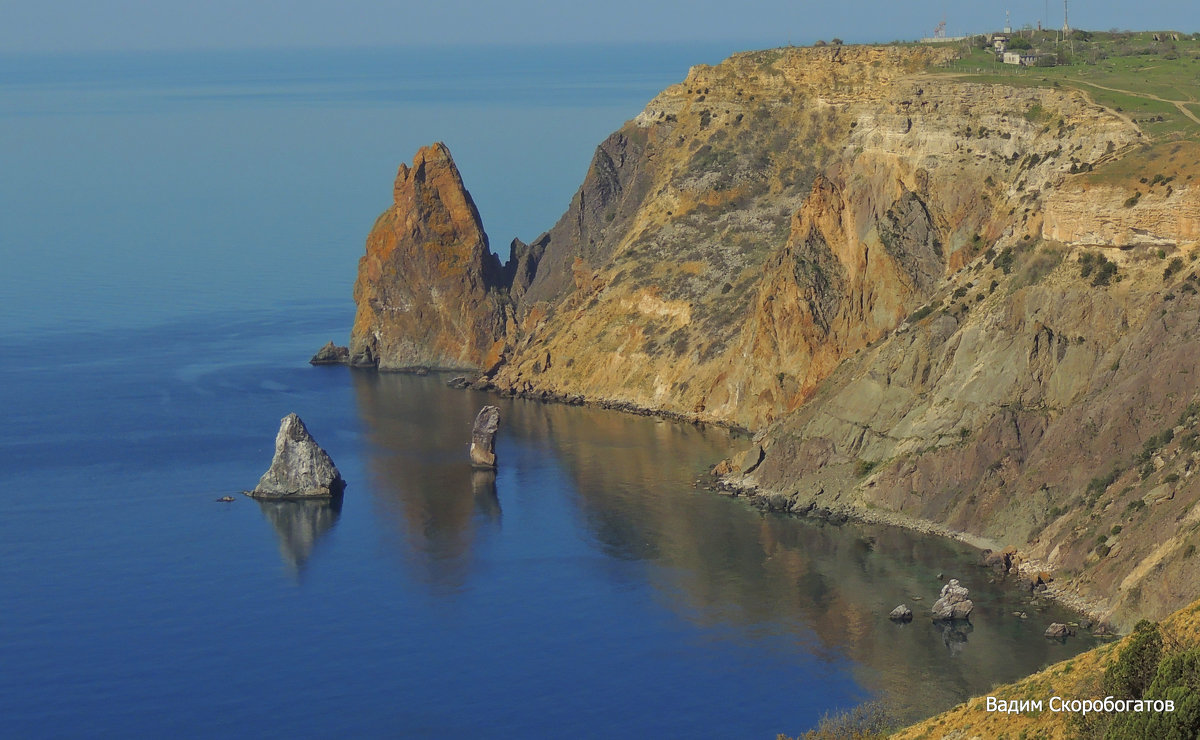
{"x":901,"y":614}
{"x":1058,"y":631}
{"x":952,"y":603}
{"x":331,"y":354}
{"x":300,"y":468}
{"x":483,"y":437}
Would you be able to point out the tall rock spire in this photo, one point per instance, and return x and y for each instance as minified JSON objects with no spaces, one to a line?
{"x":429,"y":291}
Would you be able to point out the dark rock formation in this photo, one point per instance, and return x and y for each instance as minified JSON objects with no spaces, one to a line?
{"x":600,"y":215}
{"x":901,"y":614}
{"x":1059,"y":631}
{"x":300,"y":468}
{"x":483,"y":437}
{"x":952,"y":603}
{"x":331,"y":354}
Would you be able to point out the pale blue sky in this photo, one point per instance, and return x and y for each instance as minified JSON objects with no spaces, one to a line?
{"x":62,"y":25}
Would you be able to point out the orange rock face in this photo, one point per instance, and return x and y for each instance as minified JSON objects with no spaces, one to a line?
{"x":429,"y":291}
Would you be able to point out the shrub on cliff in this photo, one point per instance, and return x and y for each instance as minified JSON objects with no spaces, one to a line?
{"x":1100,"y":268}
{"x":864,"y":722}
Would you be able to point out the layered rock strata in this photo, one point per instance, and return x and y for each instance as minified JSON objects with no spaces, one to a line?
{"x":941,"y":304}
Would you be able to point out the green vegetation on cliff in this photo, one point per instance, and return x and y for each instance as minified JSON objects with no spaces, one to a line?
{"x":1157,"y":661}
{"x":1151,"y":78}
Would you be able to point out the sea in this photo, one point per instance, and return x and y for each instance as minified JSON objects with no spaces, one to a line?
{"x":179,"y":232}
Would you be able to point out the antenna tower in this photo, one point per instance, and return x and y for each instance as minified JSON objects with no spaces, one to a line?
{"x":1066,"y":25}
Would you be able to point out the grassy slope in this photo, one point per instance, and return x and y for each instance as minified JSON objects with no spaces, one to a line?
{"x":1077,"y":678}
{"x":1136,"y":76}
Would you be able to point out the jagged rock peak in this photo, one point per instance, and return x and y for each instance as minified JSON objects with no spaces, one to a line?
{"x":429,"y":291}
{"x":300,"y":468}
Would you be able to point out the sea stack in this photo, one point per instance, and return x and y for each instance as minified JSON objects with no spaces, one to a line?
{"x":300,"y":468}
{"x":952,"y":603}
{"x":483,"y":437}
{"x":429,"y":293}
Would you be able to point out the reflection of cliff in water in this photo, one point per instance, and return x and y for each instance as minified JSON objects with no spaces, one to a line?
{"x":299,"y":524}
{"x":829,"y":587}
{"x":420,"y":473}
{"x":714,"y":560}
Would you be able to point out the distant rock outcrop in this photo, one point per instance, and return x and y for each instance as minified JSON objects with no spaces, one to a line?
{"x":952,"y":603}
{"x":331,"y":354}
{"x":483,"y":437}
{"x":300,"y":468}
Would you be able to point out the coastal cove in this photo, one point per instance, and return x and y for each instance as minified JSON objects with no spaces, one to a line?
{"x":585,"y":589}
{"x":181,"y":235}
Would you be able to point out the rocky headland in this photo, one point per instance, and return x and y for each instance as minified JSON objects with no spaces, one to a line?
{"x":934,"y":303}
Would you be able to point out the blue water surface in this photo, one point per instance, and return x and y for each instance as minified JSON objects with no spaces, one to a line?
{"x":178,"y":234}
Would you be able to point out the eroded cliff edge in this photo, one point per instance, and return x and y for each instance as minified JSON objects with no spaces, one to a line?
{"x":890,"y":276}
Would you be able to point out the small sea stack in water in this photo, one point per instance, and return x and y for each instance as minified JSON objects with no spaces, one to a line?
{"x":483,"y":437}
{"x":300,"y":468}
{"x":952,"y":603}
{"x":331,"y":354}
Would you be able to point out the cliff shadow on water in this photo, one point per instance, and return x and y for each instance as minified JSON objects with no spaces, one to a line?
{"x":587,"y":482}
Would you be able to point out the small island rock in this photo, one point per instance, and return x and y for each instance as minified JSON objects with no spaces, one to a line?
{"x":952,"y":603}
{"x":331,"y":354}
{"x":300,"y":468}
{"x":901,"y":614}
{"x":483,"y":437}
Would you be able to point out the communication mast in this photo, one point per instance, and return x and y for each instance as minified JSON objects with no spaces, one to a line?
{"x":940,"y":31}
{"x":1066,"y":25}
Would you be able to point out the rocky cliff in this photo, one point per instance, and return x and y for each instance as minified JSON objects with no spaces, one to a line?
{"x":959,"y":306}
{"x":429,"y":291}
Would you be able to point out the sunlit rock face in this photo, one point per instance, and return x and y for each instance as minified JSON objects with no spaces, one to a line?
{"x":429,"y":291}
{"x":300,"y":468}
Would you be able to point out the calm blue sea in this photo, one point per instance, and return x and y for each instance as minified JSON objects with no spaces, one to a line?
{"x":178,"y":234}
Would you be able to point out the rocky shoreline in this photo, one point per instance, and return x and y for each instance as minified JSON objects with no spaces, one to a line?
{"x":1027,"y":570}
{"x":795,"y":505}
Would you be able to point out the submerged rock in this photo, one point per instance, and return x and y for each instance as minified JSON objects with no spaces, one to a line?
{"x":331,"y":354}
{"x":300,"y":468}
{"x":483,"y":437}
{"x":901,"y":614}
{"x":952,"y":603}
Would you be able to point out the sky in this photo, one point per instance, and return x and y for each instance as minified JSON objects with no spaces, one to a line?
{"x":88,"y":25}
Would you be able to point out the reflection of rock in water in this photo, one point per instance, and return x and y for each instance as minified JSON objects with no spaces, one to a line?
{"x":419,"y":474}
{"x":954,"y":635}
{"x":483,"y":486}
{"x":299,"y":525}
